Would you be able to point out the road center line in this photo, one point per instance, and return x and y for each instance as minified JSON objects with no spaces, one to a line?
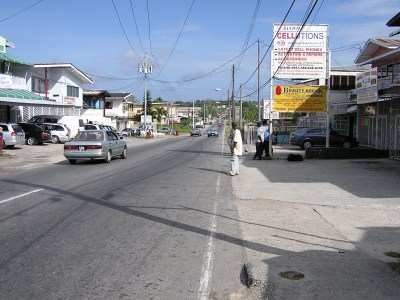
{"x":22,"y":195}
{"x":206,"y":272}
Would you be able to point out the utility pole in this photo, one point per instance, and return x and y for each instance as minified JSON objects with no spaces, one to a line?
{"x":258,"y":84}
{"x":229,"y":110}
{"x":241,"y":108}
{"x":144,"y":68}
{"x":233,"y":94}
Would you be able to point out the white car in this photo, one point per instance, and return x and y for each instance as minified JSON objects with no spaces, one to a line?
{"x":60,"y":133}
{"x":95,"y":144}
{"x":12,"y":135}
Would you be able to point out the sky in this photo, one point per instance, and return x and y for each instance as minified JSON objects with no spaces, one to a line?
{"x":192,"y":45}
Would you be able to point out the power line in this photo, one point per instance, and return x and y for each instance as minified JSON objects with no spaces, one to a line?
{"x":123,"y":29}
{"x":137,"y":30}
{"x":21,"y":11}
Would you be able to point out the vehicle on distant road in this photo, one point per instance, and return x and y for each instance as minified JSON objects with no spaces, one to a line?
{"x":125,"y":132}
{"x":213,"y":131}
{"x":311,"y":137}
{"x":35,"y":134}
{"x":165,"y":130}
{"x":95,"y":144}
{"x":195,"y":131}
{"x":13,"y":135}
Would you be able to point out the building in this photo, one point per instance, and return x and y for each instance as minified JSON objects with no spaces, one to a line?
{"x":378,"y":96}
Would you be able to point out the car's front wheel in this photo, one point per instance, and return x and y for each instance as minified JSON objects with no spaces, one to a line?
{"x":307,"y":144}
{"x":30,"y":141}
{"x":124,"y":153}
{"x":108,"y":157}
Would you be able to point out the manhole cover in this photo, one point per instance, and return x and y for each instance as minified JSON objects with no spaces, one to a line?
{"x":292,"y":275}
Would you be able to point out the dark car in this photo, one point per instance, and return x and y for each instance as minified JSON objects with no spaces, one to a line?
{"x":35,"y":134}
{"x":311,"y":137}
{"x":213,"y":131}
{"x":195,"y":131}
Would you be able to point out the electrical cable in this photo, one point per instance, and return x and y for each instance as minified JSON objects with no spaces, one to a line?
{"x":137,"y":30}
{"x":21,"y":11}
{"x":123,"y":29}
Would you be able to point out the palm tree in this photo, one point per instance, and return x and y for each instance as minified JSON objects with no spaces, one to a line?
{"x":159,"y":112}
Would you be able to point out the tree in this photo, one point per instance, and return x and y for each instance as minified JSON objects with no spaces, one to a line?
{"x":158,"y":100}
{"x":149,"y":104}
{"x":159,"y":112}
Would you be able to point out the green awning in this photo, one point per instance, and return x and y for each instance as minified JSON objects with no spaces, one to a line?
{"x":10,"y":58}
{"x":19,"y":94}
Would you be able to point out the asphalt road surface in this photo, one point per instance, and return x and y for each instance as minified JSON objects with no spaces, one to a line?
{"x":159,"y":225}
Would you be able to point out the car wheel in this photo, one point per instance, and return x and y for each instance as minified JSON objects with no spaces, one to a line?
{"x":72,"y":161}
{"x":55,"y":139}
{"x":108,"y":158}
{"x":307,"y":144}
{"x":346,"y":144}
{"x":208,"y":135}
{"x":124,"y":135}
{"x":30,"y":141}
{"x":124,"y":153}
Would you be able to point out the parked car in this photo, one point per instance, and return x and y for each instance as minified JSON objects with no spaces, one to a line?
{"x":95,"y":144}
{"x":125,"y":132}
{"x":213,"y":131}
{"x":13,"y":135}
{"x":165,"y":130}
{"x":195,"y":131}
{"x":59,"y":132}
{"x":35,"y":134}
{"x":310,"y":137}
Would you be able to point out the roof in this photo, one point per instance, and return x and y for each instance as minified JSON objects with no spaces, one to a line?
{"x":13,"y":59}
{"x":387,"y":55}
{"x":395,"y":21}
{"x":118,"y":96}
{"x":24,"y":97}
{"x":85,"y":79}
{"x":376,"y":47}
{"x":94,"y":93}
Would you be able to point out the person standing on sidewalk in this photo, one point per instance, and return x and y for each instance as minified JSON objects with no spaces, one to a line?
{"x":266,"y":138}
{"x":259,"y":141}
{"x":236,"y":149}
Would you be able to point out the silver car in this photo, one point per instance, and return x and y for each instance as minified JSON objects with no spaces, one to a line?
{"x":12,"y":135}
{"x":95,"y":144}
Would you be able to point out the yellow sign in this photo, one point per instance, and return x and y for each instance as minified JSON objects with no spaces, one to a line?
{"x":299,"y":98}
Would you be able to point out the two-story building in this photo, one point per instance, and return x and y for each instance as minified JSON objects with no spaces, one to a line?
{"x":378,"y":102}
{"x":27,"y":90}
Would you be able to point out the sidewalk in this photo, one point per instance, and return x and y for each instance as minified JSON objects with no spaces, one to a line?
{"x":330,"y":220}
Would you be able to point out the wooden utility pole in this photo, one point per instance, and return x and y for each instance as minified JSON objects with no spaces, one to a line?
{"x":233,"y":94}
{"x":258,"y":85}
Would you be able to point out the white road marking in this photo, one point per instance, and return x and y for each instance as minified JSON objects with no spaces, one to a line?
{"x":22,"y":195}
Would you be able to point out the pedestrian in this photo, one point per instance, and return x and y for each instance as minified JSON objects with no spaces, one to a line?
{"x":266,"y":138}
{"x":259,"y":141}
{"x":236,"y":149}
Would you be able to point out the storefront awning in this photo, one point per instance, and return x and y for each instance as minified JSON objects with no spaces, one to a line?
{"x":10,"y":58}
{"x":24,"y":98}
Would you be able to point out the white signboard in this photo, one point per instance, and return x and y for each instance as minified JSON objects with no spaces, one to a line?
{"x":367,"y":89}
{"x":274,"y":115}
{"x":300,"y":53}
{"x":5,"y":82}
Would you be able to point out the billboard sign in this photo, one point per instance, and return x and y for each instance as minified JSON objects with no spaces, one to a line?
{"x":300,"y":52}
{"x":367,"y":89}
{"x":297,"y":98}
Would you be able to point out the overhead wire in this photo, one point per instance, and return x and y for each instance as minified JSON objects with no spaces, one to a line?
{"x":137,"y":30}
{"x":305,"y":19}
{"x":21,"y":11}
{"x":123,"y":29}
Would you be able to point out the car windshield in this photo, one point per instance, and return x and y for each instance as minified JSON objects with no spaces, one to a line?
{"x":89,"y":136}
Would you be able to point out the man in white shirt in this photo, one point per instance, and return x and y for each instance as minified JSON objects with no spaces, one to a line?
{"x":259,"y":141}
{"x":236,"y":149}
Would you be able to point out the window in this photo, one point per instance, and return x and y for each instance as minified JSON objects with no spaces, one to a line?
{"x":109,"y":105}
{"x":72,"y":91}
{"x":38,"y":85}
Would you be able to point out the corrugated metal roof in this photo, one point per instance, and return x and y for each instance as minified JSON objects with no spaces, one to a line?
{"x":19,"y":94}
{"x":10,"y":58}
{"x":374,"y":46}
